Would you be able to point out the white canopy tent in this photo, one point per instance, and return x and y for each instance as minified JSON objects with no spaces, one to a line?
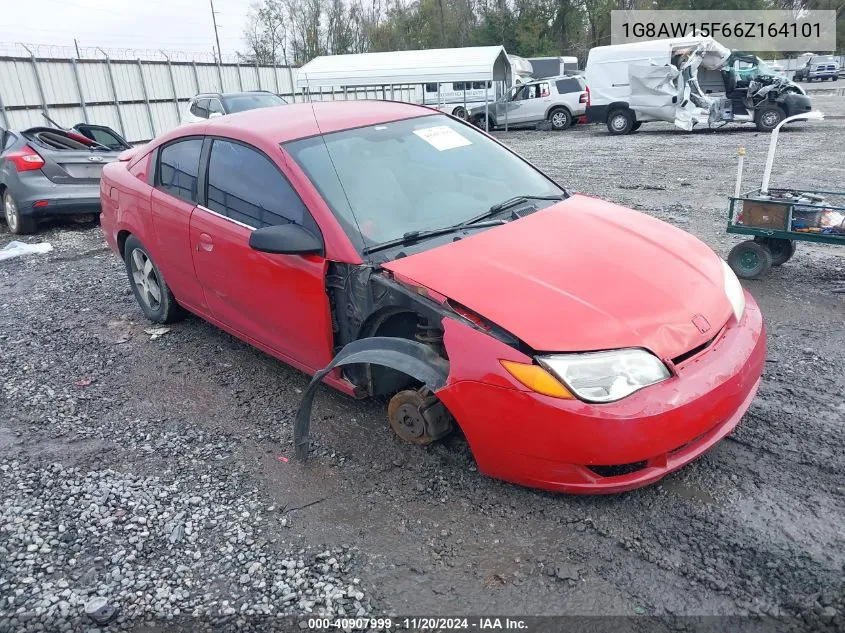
{"x":396,"y":68}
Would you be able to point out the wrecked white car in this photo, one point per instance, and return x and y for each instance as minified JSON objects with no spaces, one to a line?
{"x":687,"y":82}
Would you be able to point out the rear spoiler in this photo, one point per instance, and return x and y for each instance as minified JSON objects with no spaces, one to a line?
{"x":129,"y":154}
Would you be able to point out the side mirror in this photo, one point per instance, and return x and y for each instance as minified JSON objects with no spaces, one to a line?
{"x":285,"y":239}
{"x":214,"y":115}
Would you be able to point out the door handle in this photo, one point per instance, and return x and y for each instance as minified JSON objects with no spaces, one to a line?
{"x":205,"y":243}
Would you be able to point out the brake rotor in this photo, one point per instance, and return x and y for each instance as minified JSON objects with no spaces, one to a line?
{"x":404,"y":412}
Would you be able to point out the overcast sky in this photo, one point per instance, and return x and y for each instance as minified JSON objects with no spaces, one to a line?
{"x":144,"y":24}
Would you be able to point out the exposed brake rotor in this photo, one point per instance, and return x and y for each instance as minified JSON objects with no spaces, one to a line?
{"x":418,"y":416}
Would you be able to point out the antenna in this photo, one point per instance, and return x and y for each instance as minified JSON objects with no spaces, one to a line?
{"x":301,"y":441}
{"x":216,"y":36}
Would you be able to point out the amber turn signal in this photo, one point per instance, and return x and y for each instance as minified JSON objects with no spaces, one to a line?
{"x":536,"y":379}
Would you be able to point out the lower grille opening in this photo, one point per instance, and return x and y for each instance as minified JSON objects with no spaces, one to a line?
{"x":618,"y":469}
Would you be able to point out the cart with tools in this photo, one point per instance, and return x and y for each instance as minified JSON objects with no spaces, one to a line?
{"x":776,"y":219}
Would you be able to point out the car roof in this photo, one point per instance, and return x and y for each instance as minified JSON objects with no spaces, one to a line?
{"x":283,"y":123}
{"x":205,"y":95}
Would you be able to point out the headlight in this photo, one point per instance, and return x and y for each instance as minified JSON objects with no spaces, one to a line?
{"x":734,"y":291}
{"x":606,"y":376}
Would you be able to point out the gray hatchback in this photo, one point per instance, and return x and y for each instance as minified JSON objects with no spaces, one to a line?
{"x":46,"y":172}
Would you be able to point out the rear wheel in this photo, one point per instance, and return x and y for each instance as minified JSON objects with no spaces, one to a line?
{"x":460,"y":113}
{"x":560,"y":119}
{"x":620,"y":122}
{"x":18,"y":224}
{"x":781,"y":250}
{"x":151,"y":290}
{"x":750,"y":260}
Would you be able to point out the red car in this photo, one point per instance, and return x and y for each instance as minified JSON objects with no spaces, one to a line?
{"x":388,"y":249}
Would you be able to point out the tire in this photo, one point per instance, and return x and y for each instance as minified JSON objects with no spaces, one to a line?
{"x":460,"y":112}
{"x":18,"y":224}
{"x":479,"y":122}
{"x":781,"y":250}
{"x":620,"y":122}
{"x":750,"y":260}
{"x":637,"y":126}
{"x":161,"y":309}
{"x":768,"y":116}
{"x":560,"y":118}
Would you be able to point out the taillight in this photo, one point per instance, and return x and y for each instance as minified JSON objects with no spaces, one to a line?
{"x":588,"y":96}
{"x":26,"y":159}
{"x":583,"y":98}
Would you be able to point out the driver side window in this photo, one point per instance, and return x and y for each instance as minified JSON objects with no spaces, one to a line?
{"x":244,"y":185}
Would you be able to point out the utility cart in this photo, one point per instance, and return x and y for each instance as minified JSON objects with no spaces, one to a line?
{"x":778,"y":218}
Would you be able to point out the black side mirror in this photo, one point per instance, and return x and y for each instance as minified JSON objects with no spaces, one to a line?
{"x":286,"y":239}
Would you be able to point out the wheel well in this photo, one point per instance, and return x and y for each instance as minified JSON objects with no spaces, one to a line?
{"x":122,"y":236}
{"x":396,"y":323}
{"x":558,"y":107}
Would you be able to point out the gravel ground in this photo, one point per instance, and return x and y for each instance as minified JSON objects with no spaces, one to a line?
{"x":155,"y":470}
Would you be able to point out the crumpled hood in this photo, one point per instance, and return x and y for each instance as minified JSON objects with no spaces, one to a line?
{"x":583,"y":274}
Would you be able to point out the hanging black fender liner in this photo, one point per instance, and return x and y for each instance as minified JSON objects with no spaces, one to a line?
{"x":410,"y":357}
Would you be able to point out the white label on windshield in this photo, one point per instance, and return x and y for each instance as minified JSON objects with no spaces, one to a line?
{"x":442,"y":137}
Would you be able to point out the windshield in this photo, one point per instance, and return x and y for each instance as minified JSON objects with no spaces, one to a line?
{"x":419,"y":174}
{"x":239,"y":103}
{"x":765,"y":69}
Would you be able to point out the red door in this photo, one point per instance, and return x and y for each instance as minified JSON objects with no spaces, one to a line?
{"x":173,"y":201}
{"x":278,"y":301}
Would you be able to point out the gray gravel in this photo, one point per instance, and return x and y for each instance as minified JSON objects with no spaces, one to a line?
{"x":157,"y":473}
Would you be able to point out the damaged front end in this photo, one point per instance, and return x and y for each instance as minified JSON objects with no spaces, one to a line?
{"x":389,"y":341}
{"x":707,"y":84}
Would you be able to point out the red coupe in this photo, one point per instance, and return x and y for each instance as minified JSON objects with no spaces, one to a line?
{"x":388,"y":249}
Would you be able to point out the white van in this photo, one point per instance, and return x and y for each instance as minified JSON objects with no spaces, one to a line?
{"x":688,"y":82}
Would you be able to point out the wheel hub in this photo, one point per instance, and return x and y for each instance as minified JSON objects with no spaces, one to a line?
{"x":411,"y":420}
{"x":418,"y":417}
{"x":618,"y":123}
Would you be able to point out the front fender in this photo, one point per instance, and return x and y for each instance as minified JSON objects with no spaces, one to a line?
{"x":410,"y":357}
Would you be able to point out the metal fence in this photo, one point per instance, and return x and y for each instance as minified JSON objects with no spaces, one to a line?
{"x":138,"y":98}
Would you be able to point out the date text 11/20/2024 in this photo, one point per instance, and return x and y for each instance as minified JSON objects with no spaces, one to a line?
{"x":418,"y":624}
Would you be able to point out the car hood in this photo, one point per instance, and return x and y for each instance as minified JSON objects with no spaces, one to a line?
{"x":583,"y":274}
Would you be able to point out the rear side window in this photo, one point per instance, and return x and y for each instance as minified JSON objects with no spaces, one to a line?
{"x":246,"y":186}
{"x":200,"y":108}
{"x":214,"y":105}
{"x":178,"y":169}
{"x":9,"y":140}
{"x":565,"y":86}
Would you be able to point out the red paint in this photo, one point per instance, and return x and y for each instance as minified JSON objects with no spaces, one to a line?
{"x":581,"y":275}
{"x":278,"y":299}
{"x":544,"y":442}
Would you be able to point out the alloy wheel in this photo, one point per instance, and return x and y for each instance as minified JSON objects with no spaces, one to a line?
{"x":11,"y":211}
{"x":144,"y":276}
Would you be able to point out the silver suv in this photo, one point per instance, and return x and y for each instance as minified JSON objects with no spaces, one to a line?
{"x":559,"y":100}
{"x":208,"y":105}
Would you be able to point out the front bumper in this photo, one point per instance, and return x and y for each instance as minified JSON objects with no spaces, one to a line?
{"x":526,"y":438}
